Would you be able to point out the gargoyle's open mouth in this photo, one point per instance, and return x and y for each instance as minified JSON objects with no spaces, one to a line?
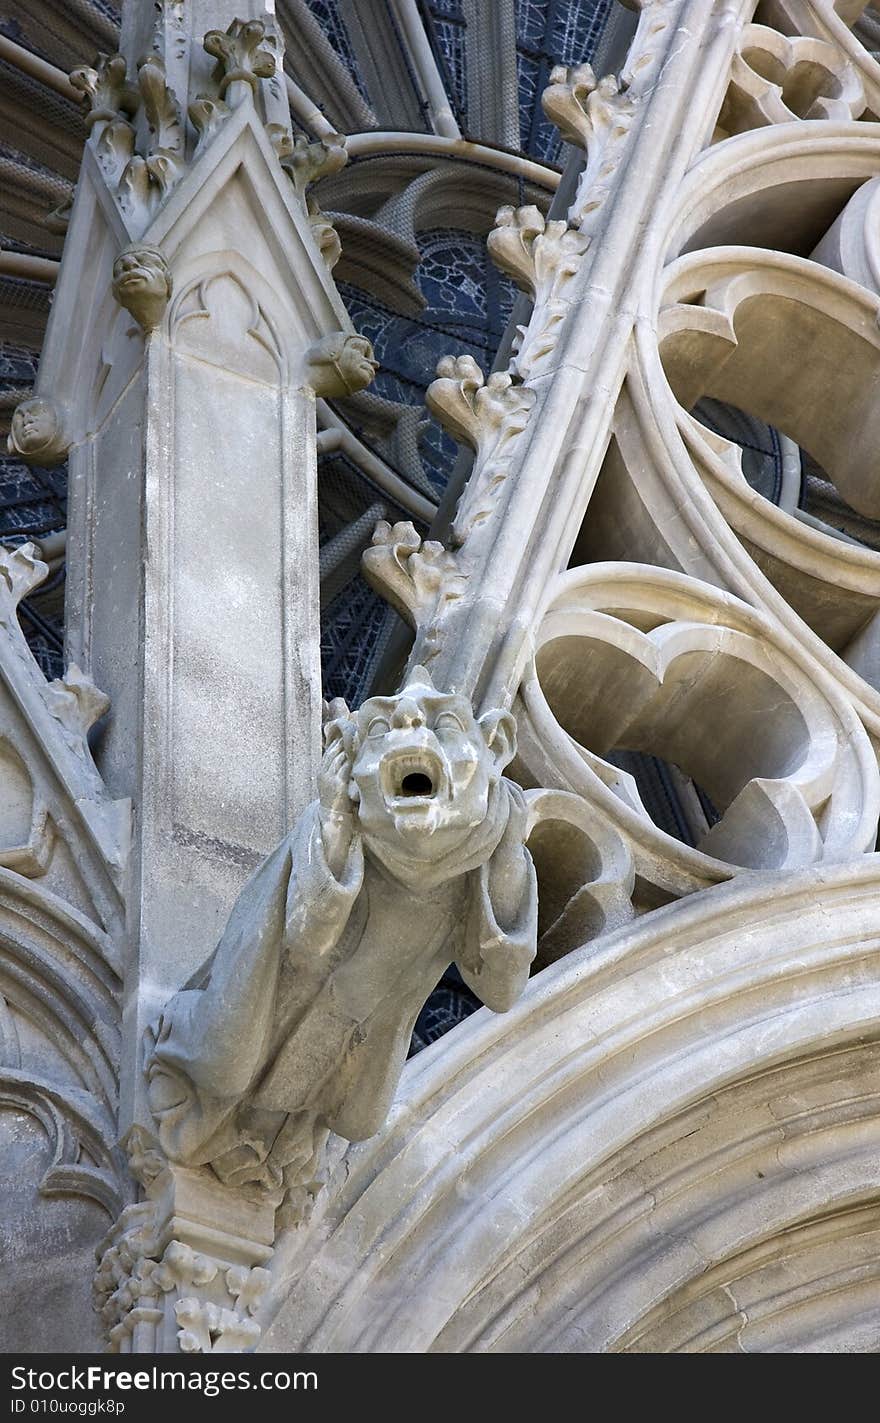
{"x":412,"y":777}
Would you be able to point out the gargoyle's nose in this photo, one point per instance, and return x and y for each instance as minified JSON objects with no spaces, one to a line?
{"x":407,"y":713}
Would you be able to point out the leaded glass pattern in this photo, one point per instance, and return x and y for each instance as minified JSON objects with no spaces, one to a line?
{"x":468,"y":306}
{"x":444,"y":22}
{"x":551,"y":32}
{"x":333,"y":26}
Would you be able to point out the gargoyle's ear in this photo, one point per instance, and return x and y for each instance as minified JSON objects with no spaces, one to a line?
{"x":499,"y":729}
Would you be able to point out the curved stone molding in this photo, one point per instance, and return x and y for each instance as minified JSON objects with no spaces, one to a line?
{"x":85,"y":1162}
{"x":220,"y":318}
{"x":852,"y":244}
{"x":679,"y":650}
{"x":586,"y":873}
{"x":779,"y":187}
{"x":59,"y":974}
{"x":832,"y":23}
{"x":738,"y":343}
{"x":69,"y":804}
{"x":656,"y":1112}
{"x":709,"y":347}
{"x":777,"y":79}
{"x":26,"y":834}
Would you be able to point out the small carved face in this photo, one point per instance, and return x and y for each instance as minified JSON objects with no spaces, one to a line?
{"x":34,"y":424}
{"x":141,"y":269}
{"x":424,"y":767}
{"x":35,"y":429}
{"x":340,"y":365}
{"x":357,"y":362}
{"x":142,"y":283}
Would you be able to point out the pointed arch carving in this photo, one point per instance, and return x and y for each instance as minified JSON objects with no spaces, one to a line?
{"x":221,"y":316}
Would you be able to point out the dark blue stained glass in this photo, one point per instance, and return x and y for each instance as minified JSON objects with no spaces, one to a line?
{"x":447,"y":34}
{"x":531,"y":23}
{"x":352,"y":629}
{"x":449,"y":1004}
{"x":333,"y":26}
{"x":468,"y":306}
{"x":551,"y":32}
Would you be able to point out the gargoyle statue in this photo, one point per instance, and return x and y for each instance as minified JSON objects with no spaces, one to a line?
{"x":411,"y":857}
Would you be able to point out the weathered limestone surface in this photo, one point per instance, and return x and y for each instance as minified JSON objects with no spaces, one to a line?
{"x":218,"y":922}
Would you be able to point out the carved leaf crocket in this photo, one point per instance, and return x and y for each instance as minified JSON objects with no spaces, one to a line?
{"x":411,"y":857}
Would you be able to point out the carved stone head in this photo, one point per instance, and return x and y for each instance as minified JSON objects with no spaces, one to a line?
{"x":340,"y":365}
{"x":424,"y":767}
{"x":37,"y":434}
{"x":142,"y":283}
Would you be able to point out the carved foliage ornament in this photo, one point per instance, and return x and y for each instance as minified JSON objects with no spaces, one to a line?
{"x":487,"y":415}
{"x":596,"y":116}
{"x":411,"y":574}
{"x":542,"y":257}
{"x":239,"y":54}
{"x":137,"y":1282}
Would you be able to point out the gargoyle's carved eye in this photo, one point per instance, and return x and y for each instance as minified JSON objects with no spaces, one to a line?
{"x":448,"y":721}
{"x":378,"y":726}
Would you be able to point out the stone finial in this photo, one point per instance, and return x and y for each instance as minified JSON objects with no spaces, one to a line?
{"x":37,"y":432}
{"x":340,"y":364}
{"x":142,"y":283}
{"x":239,"y":55}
